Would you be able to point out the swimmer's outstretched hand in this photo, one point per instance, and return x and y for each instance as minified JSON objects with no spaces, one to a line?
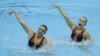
{"x":11,"y":12}
{"x":55,"y":4}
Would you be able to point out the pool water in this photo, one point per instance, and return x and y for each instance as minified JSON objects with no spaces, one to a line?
{"x":13,"y":39}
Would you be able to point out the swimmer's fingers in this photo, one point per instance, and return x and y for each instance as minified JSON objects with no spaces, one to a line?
{"x":11,"y":11}
{"x":55,"y":4}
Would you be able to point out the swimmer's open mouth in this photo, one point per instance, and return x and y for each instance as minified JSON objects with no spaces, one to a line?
{"x":80,"y":24}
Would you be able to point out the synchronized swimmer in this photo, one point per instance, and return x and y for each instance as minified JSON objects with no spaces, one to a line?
{"x":36,"y":39}
{"x":79,"y":33}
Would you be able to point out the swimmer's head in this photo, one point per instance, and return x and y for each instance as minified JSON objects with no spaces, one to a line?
{"x":82,"y":21}
{"x":42,"y":30}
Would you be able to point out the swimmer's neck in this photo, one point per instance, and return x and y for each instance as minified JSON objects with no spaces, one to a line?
{"x":80,"y":28}
{"x":38,"y":36}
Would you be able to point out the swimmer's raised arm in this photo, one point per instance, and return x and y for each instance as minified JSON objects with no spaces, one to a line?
{"x":65,"y":15}
{"x":22,"y":22}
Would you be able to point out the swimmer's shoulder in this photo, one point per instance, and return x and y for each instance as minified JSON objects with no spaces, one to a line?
{"x":87,"y":35}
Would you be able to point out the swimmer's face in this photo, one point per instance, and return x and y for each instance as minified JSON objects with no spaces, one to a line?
{"x":82,"y":21}
{"x":42,"y":30}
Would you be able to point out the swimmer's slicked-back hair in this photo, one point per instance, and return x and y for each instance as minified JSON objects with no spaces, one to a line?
{"x":45,"y":27}
{"x":85,"y":18}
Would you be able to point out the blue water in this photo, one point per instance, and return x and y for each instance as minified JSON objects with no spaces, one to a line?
{"x":13,"y":39}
